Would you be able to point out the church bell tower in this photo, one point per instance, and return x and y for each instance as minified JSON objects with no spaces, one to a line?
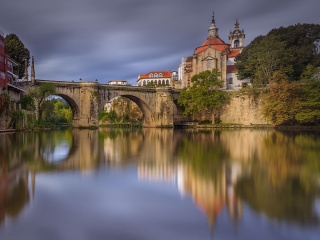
{"x":237,"y":37}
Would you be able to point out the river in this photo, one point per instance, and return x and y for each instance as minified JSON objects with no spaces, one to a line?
{"x":160,"y":184}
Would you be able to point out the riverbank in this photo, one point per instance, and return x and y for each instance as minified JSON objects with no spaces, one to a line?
{"x":7,"y":130}
{"x":179,"y":126}
{"x":196,"y":125}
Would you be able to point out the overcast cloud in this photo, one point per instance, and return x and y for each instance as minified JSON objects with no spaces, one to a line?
{"x":120,"y":39}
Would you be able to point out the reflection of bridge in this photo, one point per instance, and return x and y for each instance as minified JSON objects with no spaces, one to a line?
{"x":86,"y":99}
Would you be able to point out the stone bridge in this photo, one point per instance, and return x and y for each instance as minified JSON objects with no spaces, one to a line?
{"x":87,"y":99}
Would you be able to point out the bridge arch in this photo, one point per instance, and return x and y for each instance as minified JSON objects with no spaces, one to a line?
{"x":73,"y":105}
{"x":148,"y":117}
{"x":147,"y":114}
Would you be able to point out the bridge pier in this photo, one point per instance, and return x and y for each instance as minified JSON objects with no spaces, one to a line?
{"x":163,"y":115}
{"x":88,"y":106}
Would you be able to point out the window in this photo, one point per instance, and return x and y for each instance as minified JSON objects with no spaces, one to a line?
{"x":167,"y":82}
{"x":144,"y":83}
{"x":155,"y":75}
{"x":160,"y":74}
{"x":209,"y":64}
{"x":151,"y":75}
{"x":236,"y":44}
{"x":163,"y":82}
{"x":230,"y":80}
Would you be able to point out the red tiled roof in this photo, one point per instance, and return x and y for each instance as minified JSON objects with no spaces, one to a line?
{"x":215,"y":43}
{"x":232,"y":69}
{"x":165,"y":74}
{"x":233,"y":53}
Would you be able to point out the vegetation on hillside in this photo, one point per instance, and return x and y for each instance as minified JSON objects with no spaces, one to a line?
{"x":285,"y":49}
{"x":284,"y":69}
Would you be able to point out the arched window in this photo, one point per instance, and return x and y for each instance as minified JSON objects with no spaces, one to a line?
{"x":167,"y":82}
{"x":151,"y":75}
{"x":209,"y":64}
{"x":160,"y":74}
{"x":144,"y":83}
{"x":159,"y":82}
{"x":156,"y":75}
{"x":163,"y":82}
{"x":236,"y":44}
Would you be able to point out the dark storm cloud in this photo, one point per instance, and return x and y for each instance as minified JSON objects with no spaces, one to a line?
{"x":120,"y":39}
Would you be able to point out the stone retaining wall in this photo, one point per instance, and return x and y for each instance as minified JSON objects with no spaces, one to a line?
{"x":243,"y":110}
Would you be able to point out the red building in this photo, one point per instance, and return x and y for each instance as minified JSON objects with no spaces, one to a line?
{"x":3,"y":64}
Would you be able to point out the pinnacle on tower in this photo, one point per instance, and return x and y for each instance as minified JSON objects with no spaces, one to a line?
{"x":213,"y":30}
{"x":213,"y":17}
{"x":26,"y":75}
{"x":32,"y":71}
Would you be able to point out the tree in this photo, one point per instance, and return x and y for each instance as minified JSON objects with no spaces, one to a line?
{"x":40,"y":94}
{"x":204,"y":95}
{"x":309,"y":111}
{"x":262,"y":58}
{"x":301,"y":42}
{"x":27,"y":102}
{"x":282,"y":100}
{"x":286,"y":49}
{"x":17,"y":51}
{"x":56,"y":111}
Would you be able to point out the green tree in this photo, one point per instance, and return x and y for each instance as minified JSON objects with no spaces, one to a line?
{"x":40,"y":94}
{"x":262,"y":58}
{"x":282,"y":100}
{"x":63,"y":111}
{"x":27,"y":102}
{"x":56,"y":111}
{"x":204,"y":95}
{"x":17,"y":51}
{"x":309,"y":111}
{"x":300,"y":41}
{"x":286,"y":49}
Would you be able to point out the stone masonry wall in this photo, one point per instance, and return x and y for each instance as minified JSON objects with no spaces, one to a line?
{"x":243,"y":110}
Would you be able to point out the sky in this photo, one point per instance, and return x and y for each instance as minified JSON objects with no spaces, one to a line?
{"x":120,"y":39}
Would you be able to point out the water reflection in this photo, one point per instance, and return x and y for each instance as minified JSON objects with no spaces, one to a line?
{"x":274,"y":173}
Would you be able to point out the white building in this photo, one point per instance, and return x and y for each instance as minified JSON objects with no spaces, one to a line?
{"x":119,"y":82}
{"x":156,"y":78}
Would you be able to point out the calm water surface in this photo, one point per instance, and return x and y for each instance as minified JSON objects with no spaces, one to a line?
{"x":159,"y":184}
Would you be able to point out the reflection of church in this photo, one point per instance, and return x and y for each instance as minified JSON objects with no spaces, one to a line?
{"x":211,"y":194}
{"x":214,"y":53}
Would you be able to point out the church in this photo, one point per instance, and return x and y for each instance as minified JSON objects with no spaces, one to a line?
{"x":214,"y":53}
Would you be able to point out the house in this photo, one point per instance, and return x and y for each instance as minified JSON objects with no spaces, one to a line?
{"x":164,"y":78}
